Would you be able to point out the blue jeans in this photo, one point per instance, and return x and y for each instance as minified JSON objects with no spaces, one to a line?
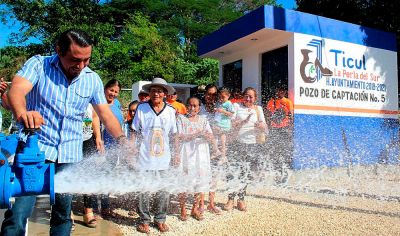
{"x":60,"y":223}
{"x":161,"y":205}
{"x":161,"y":202}
{"x":15,"y":219}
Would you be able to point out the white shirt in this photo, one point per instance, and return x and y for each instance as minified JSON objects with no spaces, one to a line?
{"x":247,"y":133}
{"x":154,"y":152}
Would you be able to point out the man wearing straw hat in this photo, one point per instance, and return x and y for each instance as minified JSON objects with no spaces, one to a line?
{"x":155,"y":121}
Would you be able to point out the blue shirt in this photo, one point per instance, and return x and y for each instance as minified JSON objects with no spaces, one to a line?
{"x":116,"y":110}
{"x":62,"y":105}
{"x":223,"y":121}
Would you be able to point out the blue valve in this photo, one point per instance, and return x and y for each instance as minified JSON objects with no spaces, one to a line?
{"x":29,"y":174}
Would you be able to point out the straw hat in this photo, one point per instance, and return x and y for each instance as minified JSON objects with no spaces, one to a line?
{"x":158,"y":82}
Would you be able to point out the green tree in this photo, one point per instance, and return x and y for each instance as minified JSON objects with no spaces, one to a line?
{"x":140,"y":53}
{"x":45,"y":20}
{"x":205,"y":71}
{"x":11,"y":59}
{"x":134,"y":39}
{"x":184,"y":22}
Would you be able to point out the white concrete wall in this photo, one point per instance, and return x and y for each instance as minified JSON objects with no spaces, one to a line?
{"x":291,"y":64}
{"x":136,"y":87}
{"x":251,"y":59}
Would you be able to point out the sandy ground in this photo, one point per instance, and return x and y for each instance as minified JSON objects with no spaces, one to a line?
{"x":365,"y":203}
{"x":290,"y":213}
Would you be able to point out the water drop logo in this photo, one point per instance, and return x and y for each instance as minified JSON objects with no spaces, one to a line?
{"x":313,"y":71}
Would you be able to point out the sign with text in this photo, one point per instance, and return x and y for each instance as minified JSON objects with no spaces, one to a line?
{"x":340,"y":78}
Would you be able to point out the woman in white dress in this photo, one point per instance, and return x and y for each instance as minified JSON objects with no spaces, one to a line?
{"x":193,"y":156}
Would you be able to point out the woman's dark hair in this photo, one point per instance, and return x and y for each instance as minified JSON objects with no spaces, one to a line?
{"x":130,"y":119}
{"x":133,"y":103}
{"x":209,"y":107}
{"x":210,"y":86}
{"x":73,"y":35}
{"x":237,"y":92}
{"x":112,"y":83}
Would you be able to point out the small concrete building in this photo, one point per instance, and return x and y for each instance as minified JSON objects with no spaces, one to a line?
{"x":341,"y":77}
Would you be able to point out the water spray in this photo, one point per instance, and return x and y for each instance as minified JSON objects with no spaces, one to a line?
{"x":347,"y":150}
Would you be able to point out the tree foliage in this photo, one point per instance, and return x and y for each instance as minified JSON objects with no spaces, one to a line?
{"x":45,"y":20}
{"x":11,"y":59}
{"x":134,"y":39}
{"x":140,"y":53}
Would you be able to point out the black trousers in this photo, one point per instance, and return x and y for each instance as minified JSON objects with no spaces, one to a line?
{"x":243,"y":161}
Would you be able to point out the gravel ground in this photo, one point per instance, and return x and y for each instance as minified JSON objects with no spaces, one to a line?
{"x":346,"y":209}
{"x":291,"y":213}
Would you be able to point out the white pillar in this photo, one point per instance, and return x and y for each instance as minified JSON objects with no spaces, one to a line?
{"x":251,"y":72}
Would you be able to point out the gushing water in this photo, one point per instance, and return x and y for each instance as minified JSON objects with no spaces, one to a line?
{"x":110,"y":175}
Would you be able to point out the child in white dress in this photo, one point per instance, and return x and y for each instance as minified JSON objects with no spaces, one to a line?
{"x":193,"y":156}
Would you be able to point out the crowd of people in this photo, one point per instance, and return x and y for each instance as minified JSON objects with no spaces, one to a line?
{"x":222,"y":130}
{"x":206,"y":135}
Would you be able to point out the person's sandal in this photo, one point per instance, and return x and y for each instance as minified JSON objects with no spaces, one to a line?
{"x":197,"y":215}
{"x":215,"y":210}
{"x":143,"y":228}
{"x":90,"y":220}
{"x":201,"y":210}
{"x":183,"y":217}
{"x":229,"y":205}
{"x":241,"y":205}
{"x":162,"y":227}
